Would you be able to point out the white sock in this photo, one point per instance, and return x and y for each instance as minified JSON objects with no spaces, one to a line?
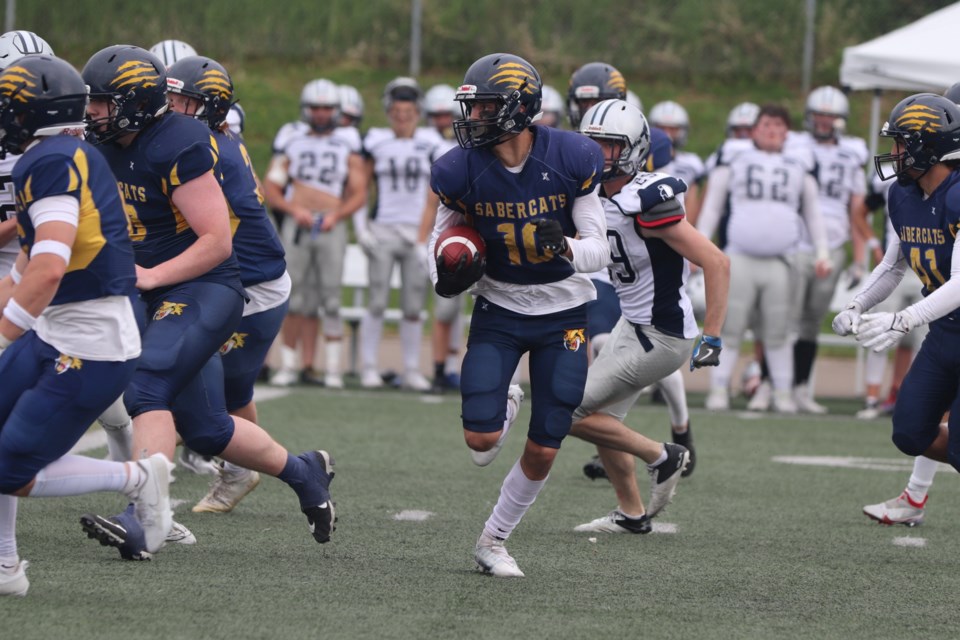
{"x":452,"y":363}
{"x":660,"y":458}
{"x":334,"y":347}
{"x":456,"y":335}
{"x":720,"y":374}
{"x":411,"y":335}
{"x":780,"y":363}
{"x":922,"y":478}
{"x":675,"y":393}
{"x":333,"y":326}
{"x":516,"y":495}
{"x":371,"y":331}
{"x":77,"y":475}
{"x":8,"y":531}
{"x":873,"y":367}
{"x":288,"y":358}
{"x":118,"y":428}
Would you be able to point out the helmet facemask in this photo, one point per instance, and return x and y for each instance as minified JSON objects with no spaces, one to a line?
{"x":912,"y":157}
{"x":507,"y":119}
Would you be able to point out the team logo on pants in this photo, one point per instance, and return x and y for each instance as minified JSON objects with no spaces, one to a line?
{"x":65,"y":363}
{"x":573,"y":338}
{"x":169,"y":308}
{"x":235,"y":342}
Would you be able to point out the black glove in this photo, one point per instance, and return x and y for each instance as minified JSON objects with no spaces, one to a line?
{"x":706,"y":352}
{"x":453,"y":282}
{"x":550,"y":236}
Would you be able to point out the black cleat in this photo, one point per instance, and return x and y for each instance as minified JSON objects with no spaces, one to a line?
{"x":593,"y":469}
{"x":686,"y":440}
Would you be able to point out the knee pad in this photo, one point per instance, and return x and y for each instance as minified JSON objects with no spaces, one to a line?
{"x":115,"y":417}
{"x":212,"y":440}
{"x":912,"y":444}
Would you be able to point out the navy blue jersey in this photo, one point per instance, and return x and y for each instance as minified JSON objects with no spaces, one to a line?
{"x":255,"y":241}
{"x":171,"y":152}
{"x":101,"y":261}
{"x":927,"y":229}
{"x":505,"y":206}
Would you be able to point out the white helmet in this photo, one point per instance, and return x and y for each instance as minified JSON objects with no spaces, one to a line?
{"x":169,"y":51}
{"x":402,"y":88}
{"x":351,"y":103}
{"x":827,"y":101}
{"x":634,"y":99}
{"x":16,"y":44}
{"x":744,"y":114}
{"x":552,"y":103}
{"x":441,"y":98}
{"x":319,"y":93}
{"x":621,"y":121}
{"x":672,"y":115}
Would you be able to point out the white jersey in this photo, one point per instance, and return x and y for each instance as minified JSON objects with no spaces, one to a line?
{"x":649,"y":276}
{"x":687,"y":166}
{"x":840,"y":176}
{"x":321,"y":161}
{"x":851,"y":144}
{"x":443,"y":144}
{"x":401,"y":168}
{"x":765,"y":199}
{"x":8,"y":210}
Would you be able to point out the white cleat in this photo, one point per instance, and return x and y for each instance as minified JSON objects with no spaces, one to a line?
{"x":803,"y":398}
{"x":492,"y":558}
{"x":371,"y":379}
{"x":415,"y":381}
{"x":285,"y":378}
{"x":333,"y":381}
{"x":761,"y":398}
{"x":227,"y":490}
{"x":616,"y":522}
{"x":514,"y":398}
{"x":900,"y":510}
{"x":783,"y":402}
{"x":196,"y":463}
{"x":179,"y":534}
{"x":718,"y":399}
{"x":665,"y":476}
{"x":13,"y":580}
{"x":153,"y":501}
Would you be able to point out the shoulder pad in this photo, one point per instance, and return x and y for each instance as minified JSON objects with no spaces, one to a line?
{"x":652,"y":198}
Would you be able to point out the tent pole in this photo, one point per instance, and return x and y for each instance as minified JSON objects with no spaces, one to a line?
{"x":875,"y":121}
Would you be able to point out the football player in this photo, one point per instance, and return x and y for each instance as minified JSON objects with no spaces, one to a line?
{"x":398,"y":160}
{"x":167,"y":168}
{"x":68,"y":330}
{"x":765,"y":190}
{"x":201,"y":88}
{"x":650,"y":243}
{"x":552,"y":108}
{"x":321,"y":162}
{"x":591,"y":83}
{"x":531,"y":192}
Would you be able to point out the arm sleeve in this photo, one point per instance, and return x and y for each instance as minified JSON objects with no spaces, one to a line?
{"x":591,"y":251}
{"x":884,"y":278}
{"x":812,"y":217}
{"x":946,"y":298}
{"x":446,"y":218}
{"x":713,"y":201}
{"x":55,"y":209}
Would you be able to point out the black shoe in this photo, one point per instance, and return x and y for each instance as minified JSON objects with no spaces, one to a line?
{"x":665,"y":477}
{"x":122,"y":531}
{"x":594,"y":469}
{"x":310,"y":378}
{"x":685,"y":439}
{"x":616,"y":522}
{"x":321,"y":509}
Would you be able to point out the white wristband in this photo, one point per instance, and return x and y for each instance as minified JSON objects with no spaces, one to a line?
{"x":873,"y":243}
{"x":18,"y":315}
{"x":15,"y":274}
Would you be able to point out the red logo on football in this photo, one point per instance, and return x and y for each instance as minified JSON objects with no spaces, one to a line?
{"x":458,"y":241}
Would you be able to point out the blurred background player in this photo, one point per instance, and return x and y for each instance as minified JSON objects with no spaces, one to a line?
{"x":591,"y":83}
{"x":552,"y":108}
{"x":398,"y":160}
{"x":673,"y":120}
{"x":316,"y":180}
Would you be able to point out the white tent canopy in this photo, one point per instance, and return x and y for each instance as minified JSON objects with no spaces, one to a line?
{"x":922,"y":56}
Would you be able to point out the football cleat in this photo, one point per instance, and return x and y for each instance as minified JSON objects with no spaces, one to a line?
{"x":593,"y":469}
{"x":226,"y":491}
{"x":333,"y":381}
{"x":616,"y":522}
{"x":761,"y":399}
{"x":152,"y":502}
{"x":783,"y":402}
{"x":284,"y":378}
{"x":122,"y":531}
{"x":685,"y":440}
{"x":414,"y":381}
{"x":310,"y":378}
{"x":665,"y":477}
{"x":198,"y":464}
{"x":321,"y":514}
{"x":514,"y":398}
{"x":718,"y":399}
{"x":900,"y":510}
{"x":13,"y":579}
{"x":179,"y":534}
{"x":371,"y":379}
{"x":803,"y":397}
{"x":492,"y":558}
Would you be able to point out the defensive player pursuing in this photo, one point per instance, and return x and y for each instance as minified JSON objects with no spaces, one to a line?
{"x":167,"y":168}
{"x":531,"y":192}
{"x":69,"y":330}
{"x":650,"y":243}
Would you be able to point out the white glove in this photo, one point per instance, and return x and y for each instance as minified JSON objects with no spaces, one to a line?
{"x":880,"y":331}
{"x":423,"y":255}
{"x":366,"y":241}
{"x":848,"y":320}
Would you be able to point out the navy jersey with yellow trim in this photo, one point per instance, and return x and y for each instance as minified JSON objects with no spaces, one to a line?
{"x":168,"y":153}
{"x":504,"y":206}
{"x":927,"y":229}
{"x":101,"y":261}
{"x":255,"y":241}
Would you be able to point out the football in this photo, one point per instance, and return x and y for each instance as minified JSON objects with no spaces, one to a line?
{"x":458,"y":241}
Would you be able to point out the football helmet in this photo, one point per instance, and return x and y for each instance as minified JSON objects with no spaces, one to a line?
{"x":133,"y":81}
{"x":319,"y":93}
{"x":205,"y":80}
{"x":828,"y":101}
{"x":953,"y":93}
{"x":634,"y":99}
{"x":351,"y":104}
{"x":742,"y":116}
{"x":39,"y":96}
{"x":591,"y":83}
{"x":927,"y":127}
{"x":670,"y":115}
{"x":402,"y":89}
{"x":16,"y":44}
{"x":509,"y":84}
{"x":170,"y":51}
{"x":440,"y":98}
{"x":551,"y":107}
{"x":621,"y":122}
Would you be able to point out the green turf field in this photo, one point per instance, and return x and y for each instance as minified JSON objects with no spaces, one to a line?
{"x":751,"y":547}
